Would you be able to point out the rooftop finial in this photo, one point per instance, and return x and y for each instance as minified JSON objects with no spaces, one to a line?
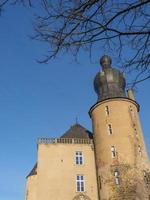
{"x":105,"y":62}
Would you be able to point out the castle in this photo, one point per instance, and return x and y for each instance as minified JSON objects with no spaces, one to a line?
{"x":109,"y":164}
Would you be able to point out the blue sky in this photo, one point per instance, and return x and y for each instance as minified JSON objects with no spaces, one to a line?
{"x":41,"y":100}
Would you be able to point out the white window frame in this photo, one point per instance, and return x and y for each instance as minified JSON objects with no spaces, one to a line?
{"x":113,"y":152}
{"x":80,"y":183}
{"x":110,"y":129}
{"x":79,"y":158}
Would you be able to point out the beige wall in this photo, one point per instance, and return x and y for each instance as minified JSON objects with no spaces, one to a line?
{"x":31,"y":188}
{"x":123,"y":136}
{"x":56,"y":172}
{"x":126,"y":137}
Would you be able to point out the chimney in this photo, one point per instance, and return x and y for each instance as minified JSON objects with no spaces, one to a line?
{"x":130,"y":94}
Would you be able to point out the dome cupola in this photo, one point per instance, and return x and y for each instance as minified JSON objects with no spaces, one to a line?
{"x":110,"y":82}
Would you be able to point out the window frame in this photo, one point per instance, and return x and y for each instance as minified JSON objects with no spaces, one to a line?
{"x":79,"y":158}
{"x":80,"y":183}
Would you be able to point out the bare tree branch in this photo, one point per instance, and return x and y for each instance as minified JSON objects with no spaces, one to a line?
{"x":68,"y":25}
{"x":71,"y":26}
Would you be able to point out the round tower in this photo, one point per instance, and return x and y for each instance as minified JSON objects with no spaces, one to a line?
{"x":121,"y":157}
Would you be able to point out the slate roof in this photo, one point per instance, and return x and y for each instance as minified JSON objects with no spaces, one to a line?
{"x":33,"y":171}
{"x":78,"y":131}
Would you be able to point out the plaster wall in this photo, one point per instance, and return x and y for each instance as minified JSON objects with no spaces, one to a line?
{"x":31,"y":188}
{"x":57,"y":171}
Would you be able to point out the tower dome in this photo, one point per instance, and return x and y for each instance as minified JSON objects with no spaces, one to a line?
{"x":110,"y":82}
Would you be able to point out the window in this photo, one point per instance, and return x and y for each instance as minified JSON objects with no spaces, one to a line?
{"x":134,"y":126}
{"x":117,"y":178}
{"x":113,"y":152}
{"x":99,"y":181}
{"x":131,"y":108}
{"x":79,"y":158}
{"x":140,"y":150}
{"x":80,"y":183}
{"x":110,"y":131}
{"x":146,"y":177}
{"x":107,"y":110}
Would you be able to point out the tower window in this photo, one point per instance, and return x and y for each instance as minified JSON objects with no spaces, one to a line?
{"x":131,"y":108}
{"x":134,"y":126}
{"x":80,"y":183}
{"x":107,"y":110}
{"x":113,"y":152}
{"x":140,"y":150}
{"x":99,"y":181}
{"x":146,"y":177}
{"x":110,"y":131}
{"x":117,"y":177}
{"x":79,"y":158}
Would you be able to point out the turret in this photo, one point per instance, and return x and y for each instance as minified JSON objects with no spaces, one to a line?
{"x":120,"y":151}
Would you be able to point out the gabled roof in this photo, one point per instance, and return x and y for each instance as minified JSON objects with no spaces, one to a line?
{"x":77,"y":131}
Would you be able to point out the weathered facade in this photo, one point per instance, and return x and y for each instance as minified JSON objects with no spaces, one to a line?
{"x":110,"y":164}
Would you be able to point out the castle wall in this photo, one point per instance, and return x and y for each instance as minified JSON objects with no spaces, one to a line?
{"x":31,"y":188}
{"x":57,"y":171}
